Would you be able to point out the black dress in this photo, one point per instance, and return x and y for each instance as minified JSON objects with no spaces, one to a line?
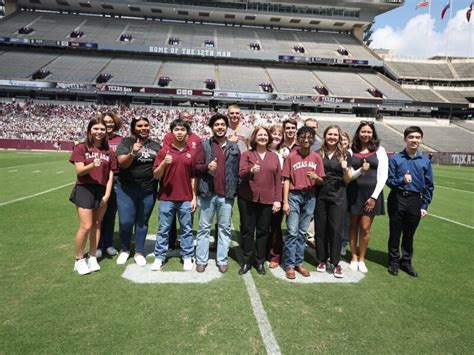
{"x":361,"y":189}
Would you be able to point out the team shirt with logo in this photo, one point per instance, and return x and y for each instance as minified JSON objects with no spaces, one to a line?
{"x":98,"y":175}
{"x":297,"y":166}
{"x":175,"y":184}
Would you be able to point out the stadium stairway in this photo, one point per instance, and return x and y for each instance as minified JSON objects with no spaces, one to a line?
{"x":453,"y":70}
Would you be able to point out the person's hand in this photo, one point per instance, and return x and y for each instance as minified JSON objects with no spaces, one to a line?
{"x":424,"y":213}
{"x":255,"y":169}
{"x":103,"y":201}
{"x":168,"y":158}
{"x":344,"y":164}
{"x":286,"y":208}
{"x":193,"y":204}
{"x":407,"y":178}
{"x":365,"y":165}
{"x":312,"y":175}
{"x":233,"y":138}
{"x":276,"y":206}
{"x":97,"y":162}
{"x":136,"y":147}
{"x":212,"y":166}
{"x":369,"y":205}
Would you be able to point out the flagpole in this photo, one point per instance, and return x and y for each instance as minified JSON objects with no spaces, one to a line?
{"x":469,"y":40}
{"x":451,"y":5}
{"x":427,"y":30}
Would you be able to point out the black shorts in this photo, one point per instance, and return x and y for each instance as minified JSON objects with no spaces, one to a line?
{"x":87,"y":196}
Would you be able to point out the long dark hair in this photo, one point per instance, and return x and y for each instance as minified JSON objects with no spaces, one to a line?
{"x":104,"y":143}
{"x":341,"y":153}
{"x":133,"y":123}
{"x":374,"y":142}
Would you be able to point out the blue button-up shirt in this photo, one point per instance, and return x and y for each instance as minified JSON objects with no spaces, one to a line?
{"x":421,"y":173}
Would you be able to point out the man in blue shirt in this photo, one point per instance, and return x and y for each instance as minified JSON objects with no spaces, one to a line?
{"x":410,"y":178}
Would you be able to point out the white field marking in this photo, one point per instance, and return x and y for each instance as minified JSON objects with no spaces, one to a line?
{"x":36,"y":171}
{"x":451,"y":221}
{"x":59,"y":172}
{"x":144,"y":275}
{"x":260,"y":314}
{"x":12,"y":171}
{"x":34,"y":195}
{"x":27,"y":165}
{"x":266,"y":332}
{"x":452,"y":188}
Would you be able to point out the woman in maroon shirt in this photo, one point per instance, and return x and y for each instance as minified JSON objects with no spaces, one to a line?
{"x":95,"y":164}
{"x":259,"y":196}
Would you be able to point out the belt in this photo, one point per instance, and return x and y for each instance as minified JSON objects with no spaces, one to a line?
{"x":409,"y":193}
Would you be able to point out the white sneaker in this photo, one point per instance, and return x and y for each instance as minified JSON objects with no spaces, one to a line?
{"x":187,"y":264}
{"x":354,"y":265}
{"x":81,"y":267}
{"x":122,"y":258}
{"x":321,"y":267}
{"x":93,"y":264}
{"x":362,"y":268}
{"x":111,"y":251}
{"x":98,"y":253}
{"x":156,"y":266}
{"x":140,"y":260}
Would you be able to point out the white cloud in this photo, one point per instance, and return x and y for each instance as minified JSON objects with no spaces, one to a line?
{"x":411,"y":40}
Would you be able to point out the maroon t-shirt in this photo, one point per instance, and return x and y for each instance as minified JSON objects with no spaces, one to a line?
{"x":98,"y":175}
{"x":219,"y":173}
{"x":114,"y":141}
{"x":175,"y":184}
{"x":296,"y":166}
{"x":193,"y":143}
{"x":262,"y":187}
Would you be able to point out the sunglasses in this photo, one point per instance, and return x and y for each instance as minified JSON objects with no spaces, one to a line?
{"x":366,"y":123}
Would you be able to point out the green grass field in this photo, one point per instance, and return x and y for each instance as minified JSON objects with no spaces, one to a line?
{"x":47,"y":308}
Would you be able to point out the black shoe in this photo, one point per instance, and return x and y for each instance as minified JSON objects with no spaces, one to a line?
{"x":409,"y":270}
{"x":244,"y":269}
{"x":393,"y":270}
{"x":260,"y":269}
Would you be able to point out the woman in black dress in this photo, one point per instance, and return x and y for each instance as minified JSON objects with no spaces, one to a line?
{"x":365,"y":195}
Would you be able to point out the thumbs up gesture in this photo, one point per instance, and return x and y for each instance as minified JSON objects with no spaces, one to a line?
{"x":168,"y":158}
{"x":97,"y":162}
{"x":255,"y":169}
{"x":344,"y":164}
{"x":365,"y":165}
{"x":212,"y":165}
{"x":233,"y":138}
{"x":136,"y":147}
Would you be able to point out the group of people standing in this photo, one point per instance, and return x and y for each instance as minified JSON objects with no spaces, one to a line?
{"x":273,"y":172}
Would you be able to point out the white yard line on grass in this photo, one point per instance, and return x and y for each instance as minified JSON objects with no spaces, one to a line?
{"x":27,"y":165}
{"x":34,"y":195}
{"x":452,"y":188}
{"x":451,"y":221}
{"x":260,"y":314}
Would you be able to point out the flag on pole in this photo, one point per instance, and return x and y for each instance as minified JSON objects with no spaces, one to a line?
{"x":422,"y":4}
{"x":445,"y":9}
{"x":468,"y":13}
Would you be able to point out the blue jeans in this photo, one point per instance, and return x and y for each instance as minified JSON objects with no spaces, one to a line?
{"x":222,"y":207}
{"x":168,"y":209}
{"x":108,"y":223}
{"x":301,"y":210}
{"x":135,"y":205}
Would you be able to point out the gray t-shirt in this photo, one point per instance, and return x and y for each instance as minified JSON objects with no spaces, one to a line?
{"x":243,"y":133}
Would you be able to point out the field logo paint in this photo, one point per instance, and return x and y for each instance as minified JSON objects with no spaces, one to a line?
{"x":144,"y":275}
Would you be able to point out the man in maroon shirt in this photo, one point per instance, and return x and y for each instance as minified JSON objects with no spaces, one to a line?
{"x":193,"y":143}
{"x":302,"y":170}
{"x":174,"y":166}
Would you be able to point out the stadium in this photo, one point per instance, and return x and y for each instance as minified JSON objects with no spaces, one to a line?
{"x":64,"y":61}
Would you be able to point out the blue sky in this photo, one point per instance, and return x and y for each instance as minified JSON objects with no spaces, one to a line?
{"x":405,"y":30}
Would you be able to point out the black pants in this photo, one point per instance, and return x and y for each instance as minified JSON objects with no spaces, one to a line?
{"x":329,"y":220}
{"x":255,"y":219}
{"x":404,"y":214}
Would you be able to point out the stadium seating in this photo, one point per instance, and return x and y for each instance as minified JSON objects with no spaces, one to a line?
{"x":22,"y":64}
{"x":133,"y":71}
{"x":420,"y":69}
